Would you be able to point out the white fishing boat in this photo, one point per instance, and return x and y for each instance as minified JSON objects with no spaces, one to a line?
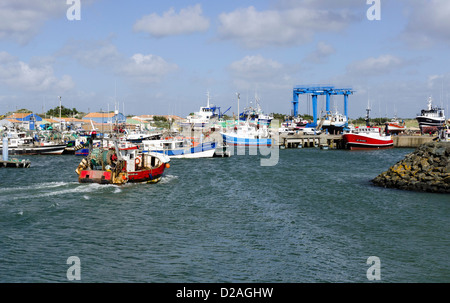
{"x":139,"y":136}
{"x":21,"y":144}
{"x":334,"y":122}
{"x":203,"y":118}
{"x":180,"y":148}
{"x":431,"y":119}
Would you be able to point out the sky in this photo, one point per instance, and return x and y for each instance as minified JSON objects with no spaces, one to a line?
{"x":164,"y":57}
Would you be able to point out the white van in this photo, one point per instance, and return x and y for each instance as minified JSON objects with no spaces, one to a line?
{"x":310,"y":131}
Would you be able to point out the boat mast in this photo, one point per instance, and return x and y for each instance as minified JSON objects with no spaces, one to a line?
{"x":238,"y":97}
{"x":367,"y":114}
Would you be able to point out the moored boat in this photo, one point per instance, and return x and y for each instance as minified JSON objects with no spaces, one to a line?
{"x":334,"y":122}
{"x":247,"y":135}
{"x":180,"y":148}
{"x":396,"y":126}
{"x":367,"y":137}
{"x":431,"y":119}
{"x":13,"y":162}
{"x":205,"y":117}
{"x":21,"y":144}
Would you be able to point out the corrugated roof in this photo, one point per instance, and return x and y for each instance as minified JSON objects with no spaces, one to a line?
{"x":49,"y":121}
{"x":72,"y":120}
{"x":98,"y":115}
{"x":18,"y":115}
{"x":13,"y":120}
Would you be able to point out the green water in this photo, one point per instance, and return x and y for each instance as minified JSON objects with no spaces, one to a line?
{"x":312,"y":217}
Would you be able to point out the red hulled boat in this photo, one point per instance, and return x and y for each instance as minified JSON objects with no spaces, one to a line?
{"x":367,"y":137}
{"x":121,"y":165}
{"x":396,"y":126}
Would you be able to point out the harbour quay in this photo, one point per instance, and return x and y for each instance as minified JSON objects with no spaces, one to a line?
{"x":337,"y":142}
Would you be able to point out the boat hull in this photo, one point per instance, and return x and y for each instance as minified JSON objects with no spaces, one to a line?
{"x":82,"y":152}
{"x":241,"y":141}
{"x":393,"y":128}
{"x":204,"y":150}
{"x":106,"y":177}
{"x":429,"y":125}
{"x":357,"y":141}
{"x":334,"y":128}
{"x":37,"y":150}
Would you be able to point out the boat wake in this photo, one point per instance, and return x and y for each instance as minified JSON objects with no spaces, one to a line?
{"x":168,"y":179}
{"x":34,"y":187}
{"x":57,"y":189}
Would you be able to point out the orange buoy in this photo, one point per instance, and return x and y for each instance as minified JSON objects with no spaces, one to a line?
{"x":167,"y":165}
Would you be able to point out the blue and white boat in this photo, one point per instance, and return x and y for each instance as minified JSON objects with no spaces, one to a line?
{"x":180,"y":148}
{"x":247,"y":135}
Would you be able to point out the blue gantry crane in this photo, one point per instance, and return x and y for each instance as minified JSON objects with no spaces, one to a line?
{"x":316,"y":90}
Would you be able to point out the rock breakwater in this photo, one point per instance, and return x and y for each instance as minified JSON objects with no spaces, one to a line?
{"x":426,"y":169}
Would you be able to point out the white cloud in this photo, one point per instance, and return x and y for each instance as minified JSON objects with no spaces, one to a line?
{"x":324,"y":4}
{"x":104,"y":55}
{"x":147,"y":68}
{"x":372,"y":66}
{"x":21,"y":20}
{"x":257,"y":71}
{"x":285,"y":27}
{"x":93,"y":54}
{"x":38,"y":77}
{"x":187,"y":21}
{"x":322,"y":51}
{"x":255,"y":67}
{"x":428,"y":24}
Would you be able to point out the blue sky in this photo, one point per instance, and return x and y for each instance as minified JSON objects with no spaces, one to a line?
{"x":161,"y":57}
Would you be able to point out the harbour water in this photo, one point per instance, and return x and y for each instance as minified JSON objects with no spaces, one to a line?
{"x":313,"y":217}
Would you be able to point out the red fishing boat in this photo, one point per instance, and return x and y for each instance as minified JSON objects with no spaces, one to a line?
{"x":121,"y":165}
{"x":367,"y":137}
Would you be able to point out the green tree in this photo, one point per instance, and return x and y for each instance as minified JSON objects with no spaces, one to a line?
{"x":65,"y":112}
{"x":159,"y":118}
{"x":24,"y":110}
{"x":279,"y":117}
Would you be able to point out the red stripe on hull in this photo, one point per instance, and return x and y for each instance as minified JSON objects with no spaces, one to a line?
{"x":355,"y":141}
{"x":354,"y":147}
{"x":148,"y":175}
{"x":105,"y":177}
